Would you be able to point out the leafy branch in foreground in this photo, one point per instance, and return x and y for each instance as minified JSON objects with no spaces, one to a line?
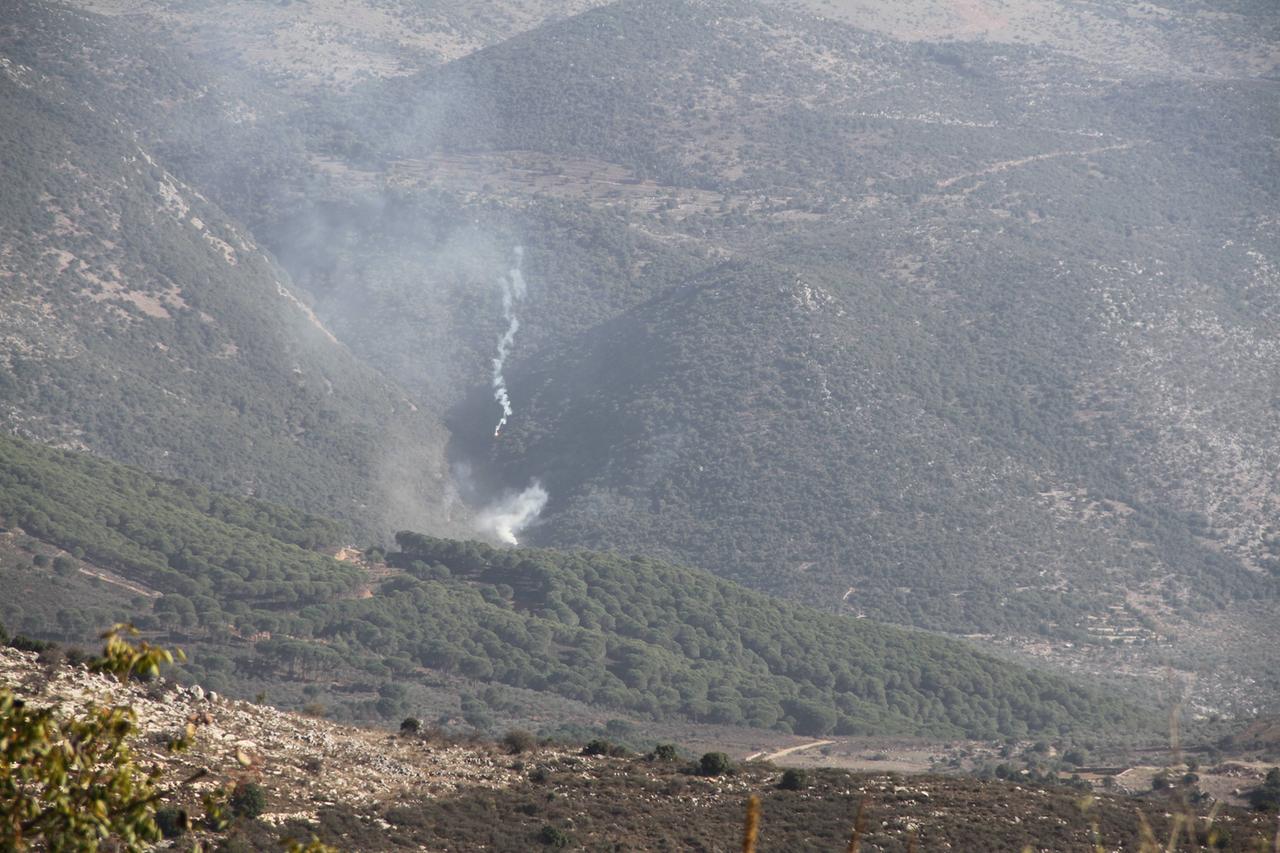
{"x":71,"y":783}
{"x":124,"y":660}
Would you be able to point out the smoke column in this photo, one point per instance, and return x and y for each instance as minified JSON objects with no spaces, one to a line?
{"x":513,"y":288}
{"x":513,"y":513}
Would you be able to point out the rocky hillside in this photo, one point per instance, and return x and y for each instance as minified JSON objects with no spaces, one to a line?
{"x":363,"y":789}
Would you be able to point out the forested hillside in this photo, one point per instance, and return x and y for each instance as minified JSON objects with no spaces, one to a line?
{"x":968,"y":368}
{"x":949,"y":344}
{"x":631,"y":635}
{"x":973,"y":335}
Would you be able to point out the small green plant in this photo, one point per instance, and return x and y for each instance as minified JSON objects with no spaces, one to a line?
{"x":665,"y":752}
{"x":217,"y":811}
{"x":312,"y":846}
{"x":410,"y":726}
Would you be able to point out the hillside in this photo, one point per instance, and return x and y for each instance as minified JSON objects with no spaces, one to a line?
{"x":972,"y":335}
{"x":635,"y":636}
{"x":1039,"y":294}
{"x":144,"y":324}
{"x":1035,"y":404}
{"x":371,"y":790}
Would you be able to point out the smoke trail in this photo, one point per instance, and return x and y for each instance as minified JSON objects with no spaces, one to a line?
{"x":513,"y":288}
{"x":513,"y":513}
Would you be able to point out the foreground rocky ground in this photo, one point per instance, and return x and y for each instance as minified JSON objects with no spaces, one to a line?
{"x":363,"y":789}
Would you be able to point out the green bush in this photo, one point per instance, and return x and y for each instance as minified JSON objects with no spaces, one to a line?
{"x":793,"y":780}
{"x":600,"y":746}
{"x":714,"y":764}
{"x":1266,"y":797}
{"x":553,"y":837}
{"x":248,"y":800}
{"x":664,"y":752}
{"x":171,"y":820}
{"x":517,"y":741}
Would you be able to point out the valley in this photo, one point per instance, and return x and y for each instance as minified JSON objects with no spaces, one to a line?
{"x":870,"y":388}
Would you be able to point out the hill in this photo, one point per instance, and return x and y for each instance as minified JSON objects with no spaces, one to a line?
{"x":144,"y":324}
{"x":1036,"y":282}
{"x":971,"y":297}
{"x":1024,"y":307}
{"x":371,"y":790}
{"x":630,"y":635}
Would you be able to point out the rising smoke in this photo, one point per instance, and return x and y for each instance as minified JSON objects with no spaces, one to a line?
{"x":513,"y":513}
{"x":513,"y":288}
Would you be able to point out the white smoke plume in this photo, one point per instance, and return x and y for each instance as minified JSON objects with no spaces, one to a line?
{"x":513,"y":513}
{"x":513,"y":288}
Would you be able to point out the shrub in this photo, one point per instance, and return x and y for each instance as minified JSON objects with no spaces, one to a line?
{"x":714,"y":764}
{"x":23,"y":643}
{"x":793,"y":780}
{"x":1266,"y":797}
{"x":664,"y":752}
{"x":248,"y":800}
{"x":517,"y":741}
{"x":553,"y":837}
{"x":235,"y":844}
{"x":75,"y":656}
{"x":1075,"y":757}
{"x":600,"y":746}
{"x":410,"y":726}
{"x":171,"y":820}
